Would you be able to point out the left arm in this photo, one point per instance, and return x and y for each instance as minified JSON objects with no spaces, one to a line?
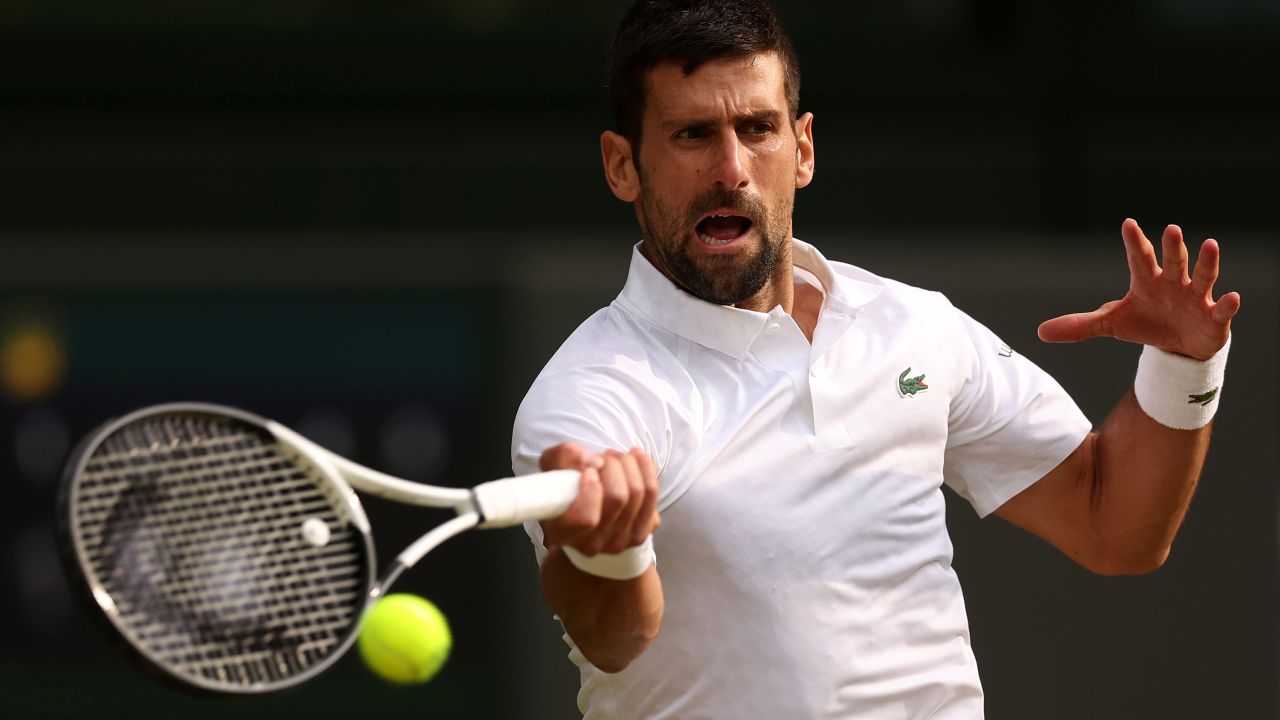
{"x":1115,"y":504}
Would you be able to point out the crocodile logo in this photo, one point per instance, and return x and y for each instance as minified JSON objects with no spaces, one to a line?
{"x":910,"y":386}
{"x":1203,"y":398}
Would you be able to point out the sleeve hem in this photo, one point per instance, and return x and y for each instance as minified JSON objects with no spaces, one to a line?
{"x":986,"y":503}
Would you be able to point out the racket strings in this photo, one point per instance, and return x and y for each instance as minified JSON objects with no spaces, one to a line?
{"x":192,"y":525}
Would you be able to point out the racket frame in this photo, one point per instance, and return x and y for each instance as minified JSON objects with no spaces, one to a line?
{"x":494,"y":504}
{"x":99,"y":600}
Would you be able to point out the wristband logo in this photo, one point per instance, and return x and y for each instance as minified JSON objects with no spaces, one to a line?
{"x":908,"y":387}
{"x":1203,"y":398}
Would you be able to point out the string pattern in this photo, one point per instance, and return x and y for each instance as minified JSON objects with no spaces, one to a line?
{"x":189,"y":529}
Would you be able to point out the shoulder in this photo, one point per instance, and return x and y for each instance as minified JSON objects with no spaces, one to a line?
{"x":615,"y":350}
{"x":614,"y":382}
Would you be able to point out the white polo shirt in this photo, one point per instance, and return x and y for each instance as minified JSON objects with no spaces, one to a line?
{"x":803,"y":550}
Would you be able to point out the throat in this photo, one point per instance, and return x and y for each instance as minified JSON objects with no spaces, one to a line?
{"x":805,"y":308}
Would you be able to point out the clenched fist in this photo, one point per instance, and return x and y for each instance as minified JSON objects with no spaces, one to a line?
{"x":617,"y":504}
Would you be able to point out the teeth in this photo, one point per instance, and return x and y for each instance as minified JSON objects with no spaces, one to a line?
{"x":712,"y":241}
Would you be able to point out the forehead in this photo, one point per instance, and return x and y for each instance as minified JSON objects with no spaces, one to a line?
{"x":736,"y":85}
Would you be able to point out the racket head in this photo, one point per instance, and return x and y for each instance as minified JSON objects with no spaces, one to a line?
{"x":193,"y":534}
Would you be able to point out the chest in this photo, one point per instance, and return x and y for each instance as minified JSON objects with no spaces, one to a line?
{"x":828,"y":454}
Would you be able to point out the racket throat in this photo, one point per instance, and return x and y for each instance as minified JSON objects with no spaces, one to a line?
{"x":388,"y":578}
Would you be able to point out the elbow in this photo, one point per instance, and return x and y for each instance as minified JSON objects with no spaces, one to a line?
{"x":612,"y":665}
{"x":1127,"y":562}
{"x":618,"y":655}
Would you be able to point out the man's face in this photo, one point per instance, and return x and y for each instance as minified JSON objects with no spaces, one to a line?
{"x":718,"y":168}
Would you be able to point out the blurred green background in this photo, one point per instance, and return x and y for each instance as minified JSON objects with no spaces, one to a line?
{"x":374,"y":221}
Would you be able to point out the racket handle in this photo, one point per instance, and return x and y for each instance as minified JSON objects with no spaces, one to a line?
{"x":540,"y":496}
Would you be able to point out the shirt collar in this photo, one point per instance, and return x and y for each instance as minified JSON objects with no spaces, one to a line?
{"x":726,"y":329}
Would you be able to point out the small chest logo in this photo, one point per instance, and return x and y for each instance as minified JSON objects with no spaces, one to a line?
{"x":908,"y":387}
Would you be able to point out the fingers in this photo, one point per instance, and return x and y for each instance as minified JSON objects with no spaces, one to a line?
{"x":1077,"y":326}
{"x":1173,"y":254}
{"x":563,"y":456}
{"x":1226,"y":308}
{"x":1207,"y":264}
{"x":647,"y":520}
{"x":617,"y":501}
{"x":1138,"y":250}
{"x":1165,"y":307}
{"x":623,"y":493}
{"x":582,"y":515}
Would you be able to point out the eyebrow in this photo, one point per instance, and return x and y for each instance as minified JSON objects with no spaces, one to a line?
{"x":770,"y":116}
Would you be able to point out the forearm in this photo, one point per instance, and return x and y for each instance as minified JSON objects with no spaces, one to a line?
{"x":1115,"y":504}
{"x":1141,"y":480}
{"x":611,"y":621}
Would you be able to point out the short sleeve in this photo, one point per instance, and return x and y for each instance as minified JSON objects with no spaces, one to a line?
{"x":597,"y":407}
{"x":579,"y":407}
{"x":1010,"y":422}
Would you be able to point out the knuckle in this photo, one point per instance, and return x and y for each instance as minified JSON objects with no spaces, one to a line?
{"x":559,"y":456}
{"x":608,"y":465}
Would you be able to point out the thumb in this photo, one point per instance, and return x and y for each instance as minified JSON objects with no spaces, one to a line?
{"x":1076,"y":326}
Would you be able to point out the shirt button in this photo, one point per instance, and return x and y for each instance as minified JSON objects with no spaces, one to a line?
{"x":772,"y":329}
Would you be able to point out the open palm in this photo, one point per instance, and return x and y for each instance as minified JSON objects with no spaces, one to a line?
{"x":1164,"y":307}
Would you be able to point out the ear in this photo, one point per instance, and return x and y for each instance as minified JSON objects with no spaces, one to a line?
{"x":619,"y":166}
{"x":804,"y":150}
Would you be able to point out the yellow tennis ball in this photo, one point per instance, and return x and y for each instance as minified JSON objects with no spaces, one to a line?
{"x":405,"y":639}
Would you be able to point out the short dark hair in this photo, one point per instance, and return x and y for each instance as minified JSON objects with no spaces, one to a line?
{"x":690,"y":32}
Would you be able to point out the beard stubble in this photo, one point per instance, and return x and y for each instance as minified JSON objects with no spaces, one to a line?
{"x":726,"y":279}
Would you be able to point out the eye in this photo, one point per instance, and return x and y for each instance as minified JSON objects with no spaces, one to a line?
{"x":757,"y":128}
{"x":692,"y":133}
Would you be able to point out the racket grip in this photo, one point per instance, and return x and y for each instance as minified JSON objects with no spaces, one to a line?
{"x":540,"y":496}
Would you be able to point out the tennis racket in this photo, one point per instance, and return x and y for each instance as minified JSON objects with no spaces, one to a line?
{"x":231,"y":555}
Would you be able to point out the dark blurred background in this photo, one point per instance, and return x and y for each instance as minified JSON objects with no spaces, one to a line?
{"x":374,"y":221}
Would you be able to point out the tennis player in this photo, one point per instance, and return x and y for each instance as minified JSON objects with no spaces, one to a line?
{"x":790,"y":420}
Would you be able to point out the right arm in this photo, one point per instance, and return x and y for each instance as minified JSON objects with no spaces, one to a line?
{"x":611,"y":621}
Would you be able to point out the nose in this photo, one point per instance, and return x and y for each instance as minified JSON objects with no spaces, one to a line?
{"x":730,"y":170}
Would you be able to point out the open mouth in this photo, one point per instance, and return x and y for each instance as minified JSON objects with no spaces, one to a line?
{"x":722,"y":229}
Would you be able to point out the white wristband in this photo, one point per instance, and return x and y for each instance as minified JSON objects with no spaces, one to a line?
{"x":1178,"y":391}
{"x":628,"y":564}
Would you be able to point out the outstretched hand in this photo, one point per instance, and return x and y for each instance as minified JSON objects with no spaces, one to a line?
{"x":1164,"y":307}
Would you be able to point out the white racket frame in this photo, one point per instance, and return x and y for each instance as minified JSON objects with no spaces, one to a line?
{"x":494,"y":504}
